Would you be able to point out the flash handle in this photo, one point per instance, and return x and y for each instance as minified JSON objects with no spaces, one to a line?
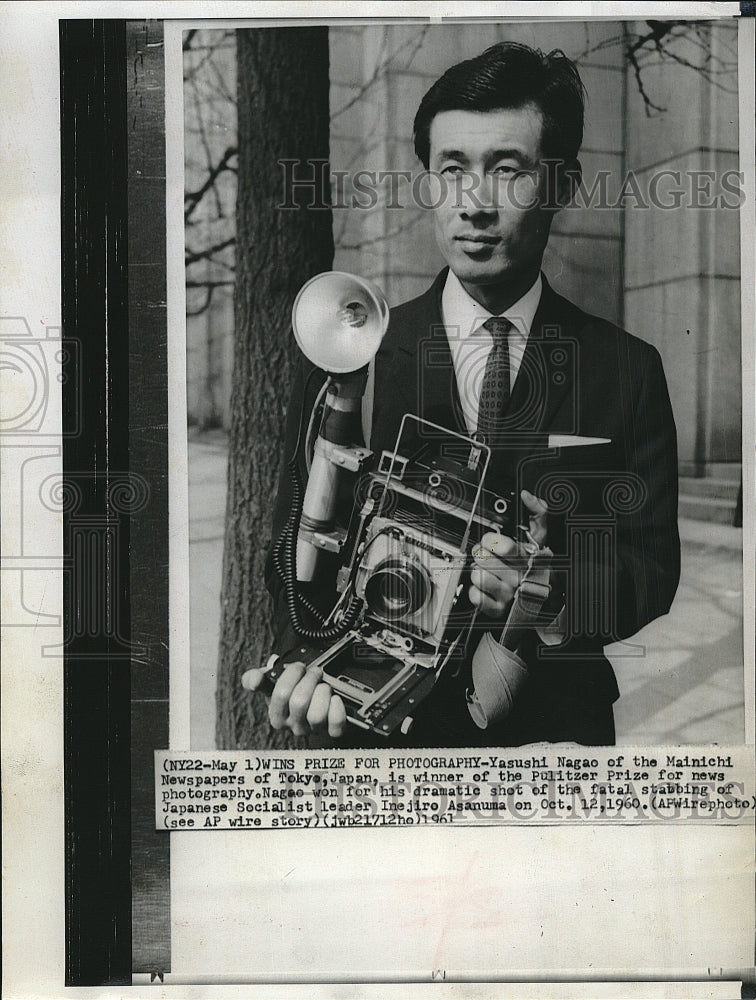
{"x":334,"y":455}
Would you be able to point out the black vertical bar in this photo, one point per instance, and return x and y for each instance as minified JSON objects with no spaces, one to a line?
{"x":148,"y":458}
{"x":96,"y":668}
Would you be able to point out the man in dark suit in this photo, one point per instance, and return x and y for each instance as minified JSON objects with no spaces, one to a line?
{"x":576,"y":411}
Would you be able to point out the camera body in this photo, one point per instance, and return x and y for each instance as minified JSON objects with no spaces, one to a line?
{"x":406,"y":557}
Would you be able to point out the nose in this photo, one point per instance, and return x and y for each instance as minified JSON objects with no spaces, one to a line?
{"x":476,"y":198}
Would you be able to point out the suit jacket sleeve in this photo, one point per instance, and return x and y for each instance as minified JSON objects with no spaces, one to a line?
{"x":617,"y":585}
{"x":647,"y":569}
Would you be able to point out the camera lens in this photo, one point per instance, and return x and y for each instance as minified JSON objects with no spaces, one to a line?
{"x":397,"y":588}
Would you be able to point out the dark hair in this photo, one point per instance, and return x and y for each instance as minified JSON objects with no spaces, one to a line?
{"x":509,"y":75}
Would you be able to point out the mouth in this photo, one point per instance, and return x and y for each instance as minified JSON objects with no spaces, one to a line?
{"x":474,"y":243}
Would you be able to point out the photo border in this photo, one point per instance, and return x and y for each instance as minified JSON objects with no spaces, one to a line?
{"x":105,"y":746}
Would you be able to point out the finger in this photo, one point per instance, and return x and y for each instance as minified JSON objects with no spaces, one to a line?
{"x":252,"y":679}
{"x":498,"y":545}
{"x":337,"y":718}
{"x":485,"y":603}
{"x":537,"y":510}
{"x":278,"y":711}
{"x":534,"y":504}
{"x":317,"y":713}
{"x":299,"y":701}
{"x":508,"y":558}
{"x":498,"y":586}
{"x":494,"y":575}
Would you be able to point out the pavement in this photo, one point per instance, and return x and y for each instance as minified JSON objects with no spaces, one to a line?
{"x":681,"y":678}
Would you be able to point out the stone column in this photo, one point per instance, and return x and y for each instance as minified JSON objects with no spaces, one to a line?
{"x":682,"y":267}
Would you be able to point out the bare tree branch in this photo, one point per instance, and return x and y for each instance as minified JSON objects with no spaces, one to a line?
{"x":649,"y":104}
{"x":390,"y":234}
{"x":222,"y":89}
{"x":605,"y":43}
{"x":659,"y":41}
{"x":209,"y":289}
{"x":191,"y":71}
{"x":213,"y":189}
{"x":381,"y":67}
{"x":193,"y":198}
{"x":193,"y":256}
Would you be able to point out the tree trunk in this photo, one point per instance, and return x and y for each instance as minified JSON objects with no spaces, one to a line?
{"x":282,"y":114}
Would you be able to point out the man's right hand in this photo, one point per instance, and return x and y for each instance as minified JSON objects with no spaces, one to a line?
{"x":301,"y":701}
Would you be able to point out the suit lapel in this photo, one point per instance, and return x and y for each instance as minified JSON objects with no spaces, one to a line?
{"x":545,"y":383}
{"x":431,"y":388}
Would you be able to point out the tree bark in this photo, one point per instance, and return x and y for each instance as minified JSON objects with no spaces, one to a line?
{"x":283,"y":113}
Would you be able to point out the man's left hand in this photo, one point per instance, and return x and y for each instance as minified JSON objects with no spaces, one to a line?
{"x":499,"y":561}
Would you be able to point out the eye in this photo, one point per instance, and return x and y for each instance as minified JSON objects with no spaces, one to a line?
{"x":452,"y":170}
{"x":505,"y":170}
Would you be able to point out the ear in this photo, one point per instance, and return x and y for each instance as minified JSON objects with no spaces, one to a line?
{"x":570,"y":177}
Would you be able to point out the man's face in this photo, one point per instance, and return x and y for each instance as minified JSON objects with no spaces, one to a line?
{"x":491,"y":227}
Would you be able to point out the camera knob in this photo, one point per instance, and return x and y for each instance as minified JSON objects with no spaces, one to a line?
{"x":407,"y":723}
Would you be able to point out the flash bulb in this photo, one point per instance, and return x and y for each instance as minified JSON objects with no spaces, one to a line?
{"x":354,"y":314}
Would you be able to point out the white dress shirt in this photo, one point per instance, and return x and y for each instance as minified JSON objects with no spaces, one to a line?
{"x":470,"y":343}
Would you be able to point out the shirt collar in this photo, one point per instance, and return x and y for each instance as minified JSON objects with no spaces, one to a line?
{"x":460,"y":310}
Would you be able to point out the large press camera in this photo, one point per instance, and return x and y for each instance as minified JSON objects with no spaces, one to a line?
{"x":402,"y":615}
